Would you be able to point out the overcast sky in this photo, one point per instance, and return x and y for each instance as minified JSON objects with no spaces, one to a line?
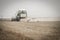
{"x":35,"y":8}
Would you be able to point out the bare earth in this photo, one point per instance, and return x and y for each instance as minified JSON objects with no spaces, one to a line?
{"x":44,"y":30}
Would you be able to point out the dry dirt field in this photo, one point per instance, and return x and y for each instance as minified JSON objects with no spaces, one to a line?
{"x":44,"y":30}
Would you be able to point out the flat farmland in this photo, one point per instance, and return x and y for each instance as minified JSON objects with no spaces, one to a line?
{"x":43,"y":30}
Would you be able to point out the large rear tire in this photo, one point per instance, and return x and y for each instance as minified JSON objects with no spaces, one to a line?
{"x":17,"y":18}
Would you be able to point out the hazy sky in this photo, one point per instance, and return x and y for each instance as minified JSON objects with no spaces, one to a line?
{"x":35,"y":8}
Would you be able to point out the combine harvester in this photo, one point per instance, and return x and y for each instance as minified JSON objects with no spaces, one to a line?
{"x":22,"y":14}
